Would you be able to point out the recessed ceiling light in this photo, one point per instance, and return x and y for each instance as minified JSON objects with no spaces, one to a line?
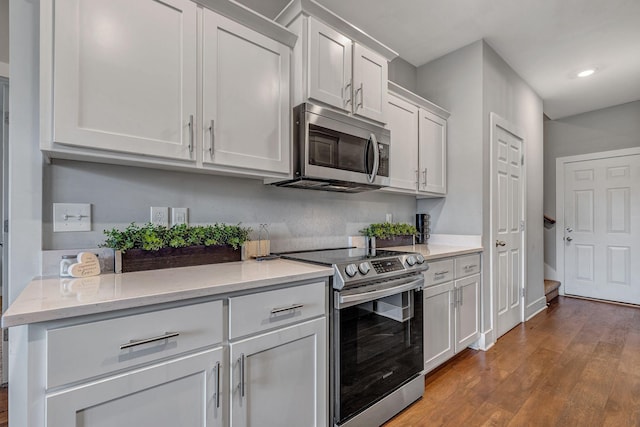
{"x":586,"y":73}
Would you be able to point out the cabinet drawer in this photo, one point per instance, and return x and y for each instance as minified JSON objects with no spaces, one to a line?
{"x":467,"y":265}
{"x":439,"y":272}
{"x":91,"y":349}
{"x":258,"y":312}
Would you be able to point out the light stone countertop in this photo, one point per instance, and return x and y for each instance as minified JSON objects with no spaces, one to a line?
{"x":54,"y":298}
{"x":436,"y":251}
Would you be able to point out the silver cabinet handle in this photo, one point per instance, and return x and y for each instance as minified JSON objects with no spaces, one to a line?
{"x":241,"y":360}
{"x":500,"y":243}
{"x":417,"y":177}
{"x":569,"y":229}
{"x":569,"y":238}
{"x":289,"y":308}
{"x":191,"y":133}
{"x":134,"y":343}
{"x":349,"y":98}
{"x":361,"y":90}
{"x":212,"y":137}
{"x":470,"y":266}
{"x":441,"y":273}
{"x":424,"y":174}
{"x":217,"y":384}
{"x":461,"y":297}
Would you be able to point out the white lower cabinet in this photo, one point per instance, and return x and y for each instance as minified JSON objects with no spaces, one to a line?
{"x":451,"y":308}
{"x":279,"y":378}
{"x":178,"y":392}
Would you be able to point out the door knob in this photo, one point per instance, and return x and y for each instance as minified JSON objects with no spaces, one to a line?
{"x":568,"y":239}
{"x":500,"y":243}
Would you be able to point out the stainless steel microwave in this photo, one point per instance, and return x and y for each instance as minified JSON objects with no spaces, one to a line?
{"x":336,"y":152}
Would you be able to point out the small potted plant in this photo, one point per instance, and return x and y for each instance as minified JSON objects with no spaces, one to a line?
{"x":150,"y":246}
{"x":387,"y":234}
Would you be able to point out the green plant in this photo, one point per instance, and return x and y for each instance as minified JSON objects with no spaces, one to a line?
{"x":384,"y":230}
{"x":151,"y":237}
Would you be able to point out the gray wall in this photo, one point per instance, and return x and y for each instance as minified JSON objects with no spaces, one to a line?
{"x":454,"y":82}
{"x":404,"y":74}
{"x":612,"y":128}
{"x":506,"y":94}
{"x":4,"y":31}
{"x":298,"y":218}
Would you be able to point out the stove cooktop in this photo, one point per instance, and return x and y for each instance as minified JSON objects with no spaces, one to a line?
{"x":356,"y":266}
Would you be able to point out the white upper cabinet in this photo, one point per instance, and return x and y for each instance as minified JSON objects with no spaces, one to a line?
{"x":125,"y":76}
{"x":335,"y":63}
{"x":246,"y":103}
{"x":403,"y":123}
{"x":330,"y":72}
{"x":166,"y":83}
{"x":418,"y":144}
{"x":433,"y":153}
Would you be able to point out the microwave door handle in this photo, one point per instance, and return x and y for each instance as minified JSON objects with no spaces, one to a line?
{"x":376,"y":158}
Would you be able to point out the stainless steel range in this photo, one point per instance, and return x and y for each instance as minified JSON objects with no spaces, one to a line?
{"x":376,"y":338}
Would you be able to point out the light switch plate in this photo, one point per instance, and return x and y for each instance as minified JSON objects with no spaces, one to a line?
{"x":71,"y":217}
{"x":179,"y":216}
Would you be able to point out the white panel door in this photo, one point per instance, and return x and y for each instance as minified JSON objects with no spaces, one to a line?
{"x":280,"y":378}
{"x":467,"y":301}
{"x":330,"y":66}
{"x":602,"y":228}
{"x":370,"y":79}
{"x":433,"y":153}
{"x":179,"y":392}
{"x":125,"y":76}
{"x":403,"y":124}
{"x":508,"y":202}
{"x":246,"y":105}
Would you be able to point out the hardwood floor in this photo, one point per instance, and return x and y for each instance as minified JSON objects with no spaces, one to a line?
{"x":576,"y":364}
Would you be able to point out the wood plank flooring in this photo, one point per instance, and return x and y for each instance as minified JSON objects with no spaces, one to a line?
{"x":576,"y":364}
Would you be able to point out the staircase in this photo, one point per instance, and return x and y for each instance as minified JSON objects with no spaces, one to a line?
{"x":551,"y":289}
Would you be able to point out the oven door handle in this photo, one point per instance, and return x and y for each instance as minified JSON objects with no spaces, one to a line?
{"x":344,"y":301}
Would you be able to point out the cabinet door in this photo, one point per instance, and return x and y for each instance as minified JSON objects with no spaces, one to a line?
{"x":125,"y":76}
{"x":370,"y":78}
{"x":433,"y":153}
{"x":179,"y":392}
{"x":280,"y":378}
{"x":403,"y":124}
{"x":329,"y":66}
{"x":438,"y":325}
{"x":246,"y":105}
{"x":467,"y":311}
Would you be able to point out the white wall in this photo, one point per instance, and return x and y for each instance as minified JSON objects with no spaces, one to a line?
{"x":506,"y":94}
{"x":404,"y":74}
{"x":122,"y":194}
{"x":454,"y":82}
{"x":612,"y":128}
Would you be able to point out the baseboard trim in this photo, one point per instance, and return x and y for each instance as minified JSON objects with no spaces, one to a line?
{"x":485,"y":342}
{"x":541,"y":302}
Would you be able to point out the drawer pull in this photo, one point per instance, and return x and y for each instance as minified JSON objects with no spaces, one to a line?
{"x":134,"y":343}
{"x":217,"y":384}
{"x":289,"y":308}
{"x":470,"y":266}
{"x":441,"y":273}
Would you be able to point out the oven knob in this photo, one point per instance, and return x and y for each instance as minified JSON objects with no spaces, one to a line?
{"x":411,"y":260}
{"x":351,"y":270}
{"x":420,"y":259}
{"x":364,"y":267}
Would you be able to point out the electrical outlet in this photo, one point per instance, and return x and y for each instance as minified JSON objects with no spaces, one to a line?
{"x":160,"y":215}
{"x":179,"y":216}
{"x":71,"y":217}
{"x":389,"y":217}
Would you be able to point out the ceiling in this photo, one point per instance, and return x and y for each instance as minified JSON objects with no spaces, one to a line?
{"x":545,"y":41}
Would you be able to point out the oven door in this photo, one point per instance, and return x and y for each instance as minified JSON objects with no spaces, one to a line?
{"x":378,"y":343}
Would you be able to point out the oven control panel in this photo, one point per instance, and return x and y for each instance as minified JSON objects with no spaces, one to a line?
{"x":387,"y":265}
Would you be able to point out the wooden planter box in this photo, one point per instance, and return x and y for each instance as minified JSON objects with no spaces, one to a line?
{"x":141,"y":260}
{"x":393,"y":241}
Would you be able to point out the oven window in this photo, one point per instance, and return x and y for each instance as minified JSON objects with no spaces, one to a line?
{"x":380,"y":346}
{"x":336,"y":150}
